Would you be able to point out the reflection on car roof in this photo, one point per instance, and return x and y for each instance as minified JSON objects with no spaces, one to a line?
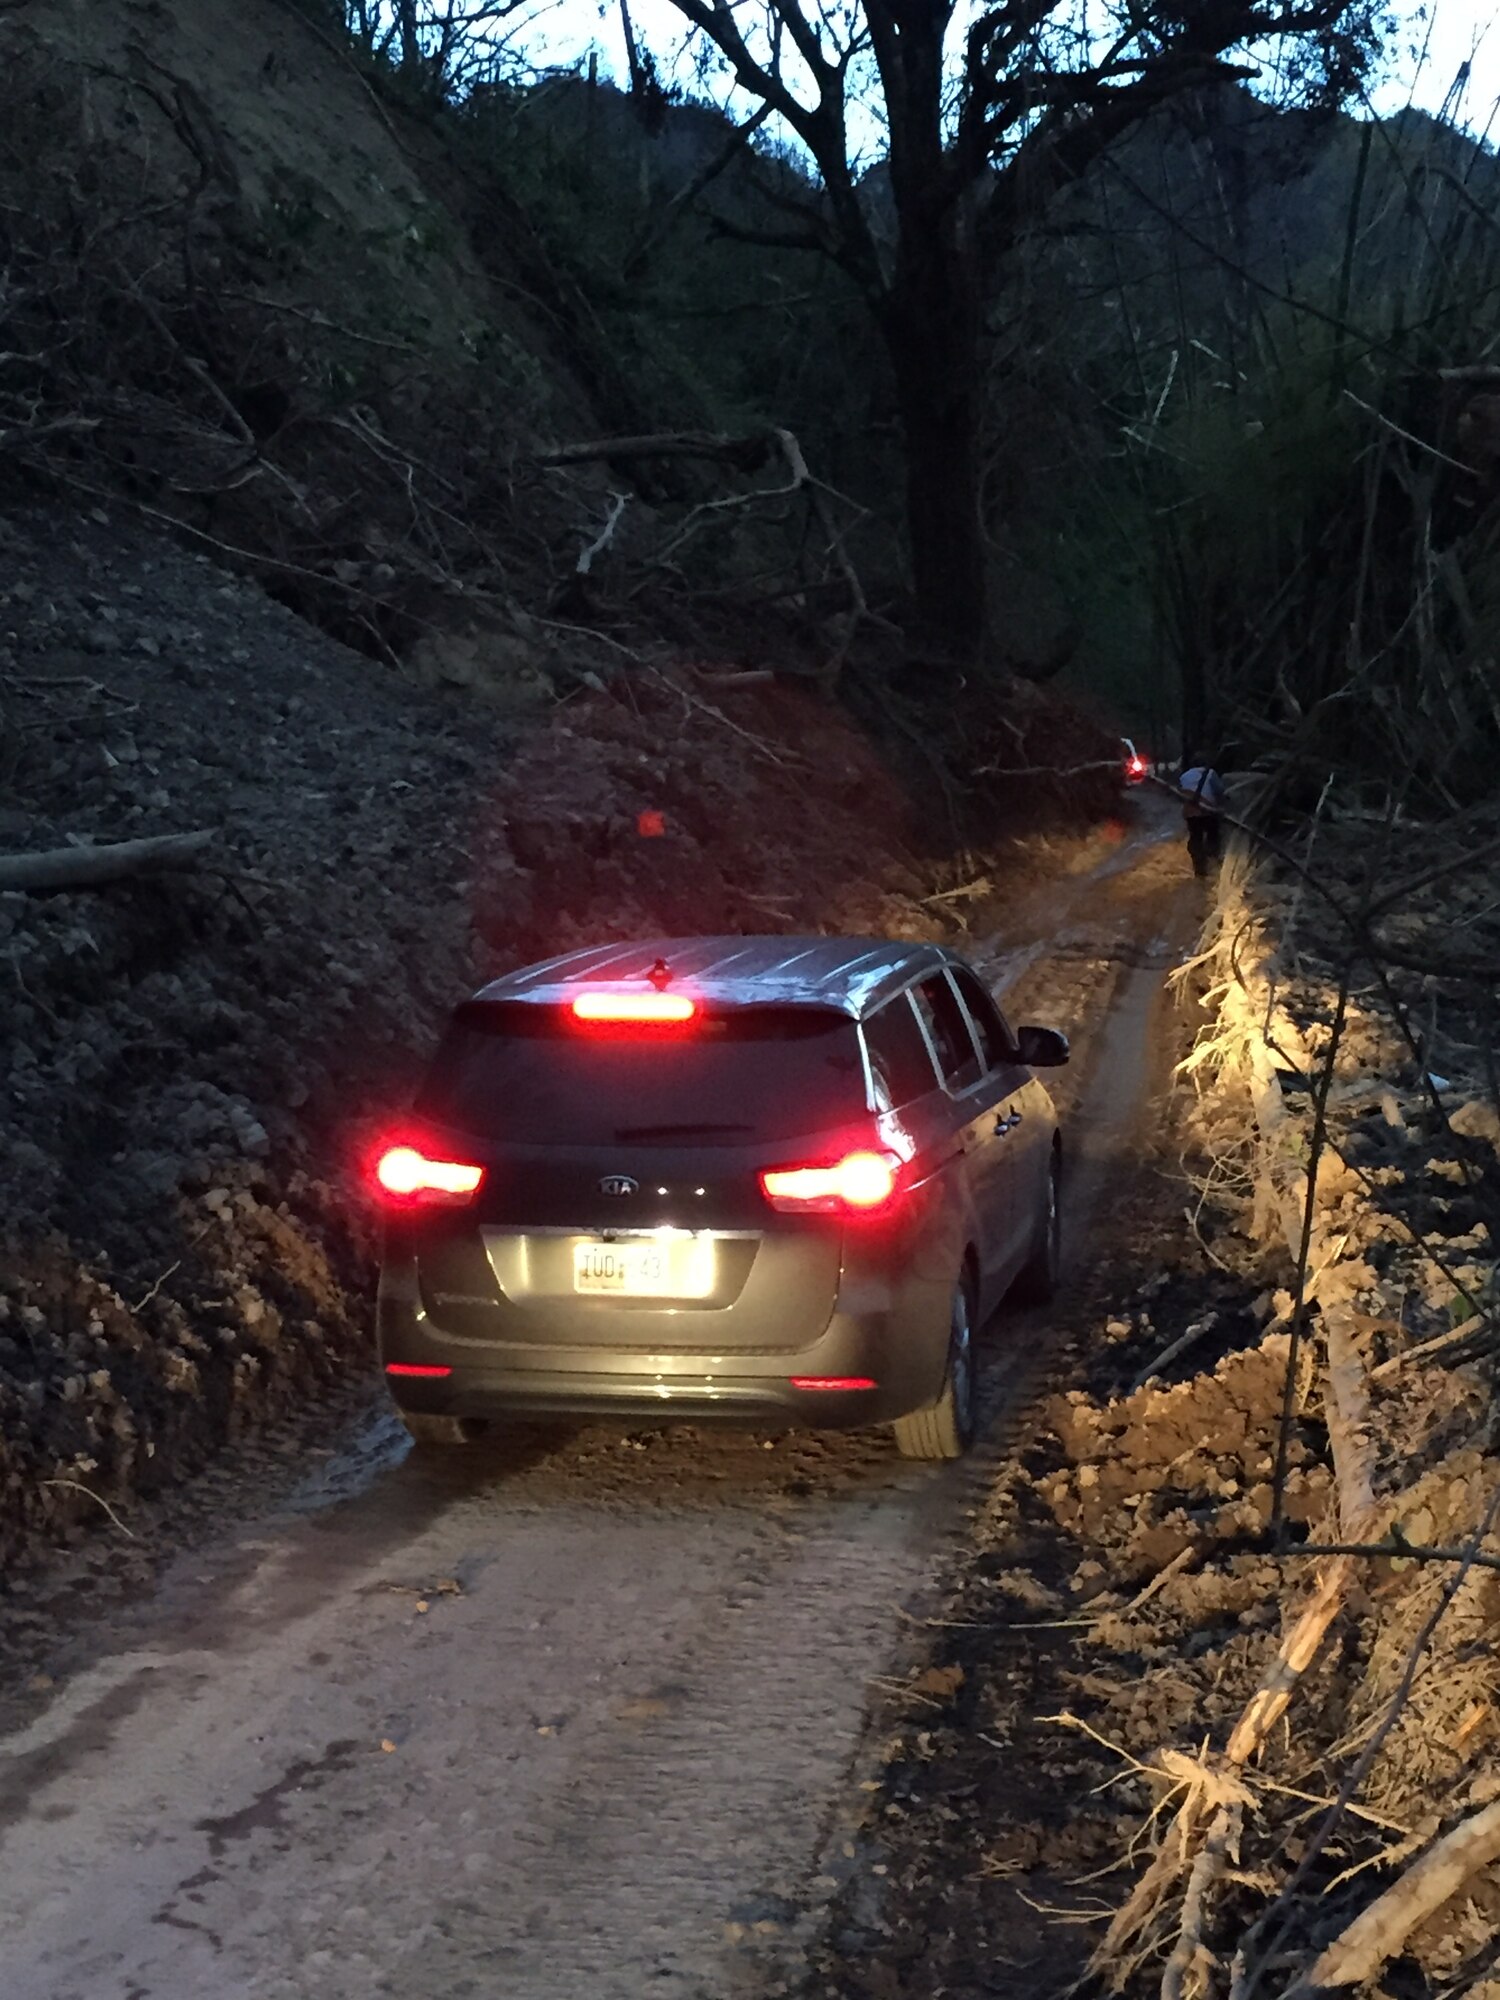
{"x":852,"y":974}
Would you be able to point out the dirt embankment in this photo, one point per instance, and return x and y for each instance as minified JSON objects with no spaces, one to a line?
{"x":188,"y":1063}
{"x":252,"y":294}
{"x":1129,"y":1616}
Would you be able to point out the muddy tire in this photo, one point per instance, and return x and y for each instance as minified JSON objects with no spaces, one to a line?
{"x":1036,"y":1284}
{"x":946,"y":1430}
{"x":429,"y":1432}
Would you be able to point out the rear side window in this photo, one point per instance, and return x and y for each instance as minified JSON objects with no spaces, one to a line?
{"x":524,"y":1072}
{"x":899,"y":1060}
{"x":937,"y":1003}
{"x":995,"y":1045}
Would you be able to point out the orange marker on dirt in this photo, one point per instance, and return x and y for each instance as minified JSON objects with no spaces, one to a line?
{"x":650,"y":825}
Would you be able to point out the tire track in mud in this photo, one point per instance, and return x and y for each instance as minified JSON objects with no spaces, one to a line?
{"x":611,"y":1758}
{"x":1115,"y":1095}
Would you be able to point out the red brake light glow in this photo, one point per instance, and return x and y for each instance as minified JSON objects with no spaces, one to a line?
{"x":422,"y":1370}
{"x":405,"y":1174}
{"x":1137,"y":767}
{"x":857,"y":1184}
{"x":816,"y":1382}
{"x":652,"y":1008}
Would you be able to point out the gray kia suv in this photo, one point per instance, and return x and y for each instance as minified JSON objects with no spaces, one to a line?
{"x":760,"y":1179}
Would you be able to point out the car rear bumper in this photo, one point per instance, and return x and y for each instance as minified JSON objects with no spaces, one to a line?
{"x":496,"y":1380}
{"x":747,"y":1402}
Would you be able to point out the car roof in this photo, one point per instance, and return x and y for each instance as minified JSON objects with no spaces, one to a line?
{"x":852,"y":974}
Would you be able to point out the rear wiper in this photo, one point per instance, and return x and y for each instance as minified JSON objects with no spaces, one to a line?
{"x":674,"y":1131}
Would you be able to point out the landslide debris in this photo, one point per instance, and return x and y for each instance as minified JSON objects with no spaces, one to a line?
{"x":191,"y":1064}
{"x":1124,"y":1606}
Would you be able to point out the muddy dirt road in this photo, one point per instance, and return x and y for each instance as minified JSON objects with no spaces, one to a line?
{"x":575,"y":1714}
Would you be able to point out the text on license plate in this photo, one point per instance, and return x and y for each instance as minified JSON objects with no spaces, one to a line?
{"x":672,"y":1267}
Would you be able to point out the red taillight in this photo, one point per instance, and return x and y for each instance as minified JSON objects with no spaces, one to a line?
{"x":404,"y":1174}
{"x":832,"y":1382}
{"x":1137,"y":767}
{"x":420,"y":1369}
{"x":858,"y":1184}
{"x":654,"y":1008}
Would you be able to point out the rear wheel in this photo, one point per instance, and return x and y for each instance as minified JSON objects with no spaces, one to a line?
{"x":1037,"y":1281}
{"x":427,"y":1430}
{"x":947,"y":1429}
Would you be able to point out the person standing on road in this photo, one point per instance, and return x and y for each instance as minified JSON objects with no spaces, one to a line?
{"x":1202,"y":792}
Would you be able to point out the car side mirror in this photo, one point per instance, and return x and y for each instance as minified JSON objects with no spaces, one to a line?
{"x":1041,"y":1048}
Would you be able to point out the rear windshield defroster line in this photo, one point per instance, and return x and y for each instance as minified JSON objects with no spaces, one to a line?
{"x":527,"y":1072}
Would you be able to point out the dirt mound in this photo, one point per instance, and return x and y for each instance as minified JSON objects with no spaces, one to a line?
{"x":1139,"y":1656}
{"x":1161,"y":1471}
{"x":251,"y":293}
{"x":657,"y":806}
{"x":178,"y":1056}
{"x":188,"y":1063}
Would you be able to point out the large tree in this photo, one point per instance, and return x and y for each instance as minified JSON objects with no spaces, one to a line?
{"x":442,"y":46}
{"x":987,"y":111}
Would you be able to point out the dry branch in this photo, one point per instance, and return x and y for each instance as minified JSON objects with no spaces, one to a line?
{"x":1381,"y":1929}
{"x":1346,"y":1406}
{"x":1174,"y":1348}
{"x":95,"y":867}
{"x":1254,"y":1031}
{"x":1191,"y":1957}
{"x":618,"y":503}
{"x":1459,"y":1343}
{"x":746,"y":452}
{"x":1263,"y":1029}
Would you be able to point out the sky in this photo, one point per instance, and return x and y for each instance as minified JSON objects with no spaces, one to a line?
{"x":1423,"y":57}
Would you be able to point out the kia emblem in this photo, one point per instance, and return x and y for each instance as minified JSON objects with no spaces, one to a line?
{"x":619,"y":1184}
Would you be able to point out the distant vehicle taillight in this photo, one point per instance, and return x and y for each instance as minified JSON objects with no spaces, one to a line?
{"x":408,"y":1178}
{"x":861,"y":1183}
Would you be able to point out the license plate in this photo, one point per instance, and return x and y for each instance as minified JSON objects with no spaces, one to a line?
{"x":675,"y":1267}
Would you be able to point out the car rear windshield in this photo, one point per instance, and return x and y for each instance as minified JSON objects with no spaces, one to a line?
{"x":732,"y":1077}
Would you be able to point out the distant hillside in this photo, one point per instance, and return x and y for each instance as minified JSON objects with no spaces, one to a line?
{"x":1188,"y":328}
{"x":333,"y":329}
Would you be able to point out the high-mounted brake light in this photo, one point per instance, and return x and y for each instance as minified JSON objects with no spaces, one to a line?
{"x":404,"y":1174}
{"x":654,"y":1008}
{"x":857,"y":1184}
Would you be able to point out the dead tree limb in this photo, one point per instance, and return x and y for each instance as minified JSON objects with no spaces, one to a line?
{"x":618,"y":503}
{"x":1273,"y":1926}
{"x":1191,"y":1957}
{"x":96,"y":867}
{"x":746,"y":452}
{"x":1347,"y":1393}
{"x":1254,"y":1026}
{"x":651,"y":239}
{"x":1346,"y":1406}
{"x":1380,"y":1930}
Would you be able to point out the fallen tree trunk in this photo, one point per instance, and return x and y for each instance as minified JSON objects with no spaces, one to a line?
{"x":1346,"y":1400}
{"x":1252,"y":1010}
{"x":1380,"y":1931}
{"x":747,"y":452}
{"x":96,"y":867}
{"x":1194,"y":1844}
{"x":1191,"y":1959}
